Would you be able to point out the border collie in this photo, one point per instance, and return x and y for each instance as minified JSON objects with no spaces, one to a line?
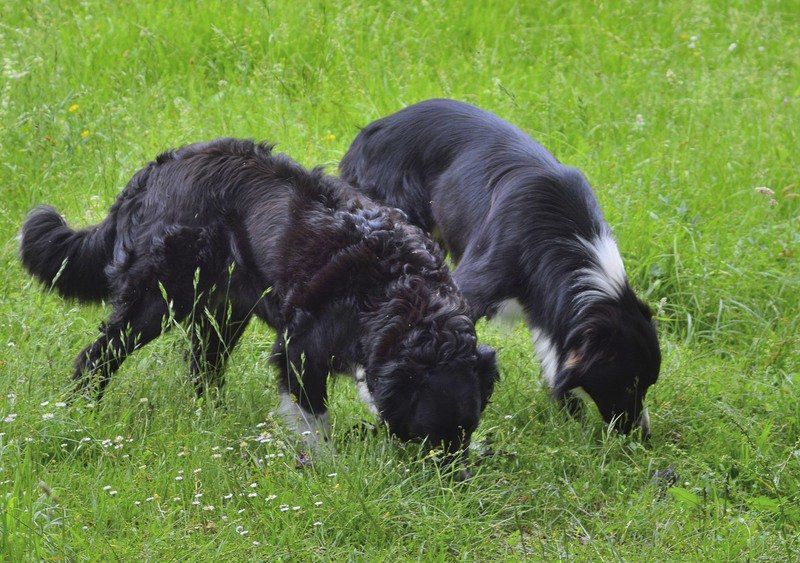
{"x":213,"y":233}
{"x":522,"y":227}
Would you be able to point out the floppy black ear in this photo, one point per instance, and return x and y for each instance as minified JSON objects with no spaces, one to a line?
{"x":487,"y":372}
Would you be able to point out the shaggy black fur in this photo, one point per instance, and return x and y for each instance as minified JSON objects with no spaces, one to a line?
{"x":524,"y":227}
{"x":227,"y":230}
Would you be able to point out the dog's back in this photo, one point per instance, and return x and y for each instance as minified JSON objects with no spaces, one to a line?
{"x":445,"y":162}
{"x":431,"y":136}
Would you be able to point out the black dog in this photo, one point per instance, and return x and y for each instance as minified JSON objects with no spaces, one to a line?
{"x":523,"y":227}
{"x":211,"y":234}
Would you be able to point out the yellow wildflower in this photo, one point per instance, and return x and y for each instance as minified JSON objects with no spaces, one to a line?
{"x":73,"y":108}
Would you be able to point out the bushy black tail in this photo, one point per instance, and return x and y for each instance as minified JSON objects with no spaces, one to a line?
{"x":72,"y":261}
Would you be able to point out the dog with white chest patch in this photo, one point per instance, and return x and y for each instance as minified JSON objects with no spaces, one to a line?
{"x":215,"y":233}
{"x":522,"y":227}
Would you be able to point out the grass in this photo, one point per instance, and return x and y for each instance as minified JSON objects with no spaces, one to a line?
{"x":676,"y":111}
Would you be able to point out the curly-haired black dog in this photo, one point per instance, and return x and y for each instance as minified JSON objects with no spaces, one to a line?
{"x":523,"y":227}
{"x":214,"y":233}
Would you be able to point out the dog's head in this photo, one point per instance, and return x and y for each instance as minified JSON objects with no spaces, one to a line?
{"x":614,"y":356}
{"x":440,"y":402}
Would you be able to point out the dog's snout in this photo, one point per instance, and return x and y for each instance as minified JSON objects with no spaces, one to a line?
{"x":456,"y":460}
{"x":626,"y":423}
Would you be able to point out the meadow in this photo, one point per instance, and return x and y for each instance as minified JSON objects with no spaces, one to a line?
{"x":685,"y":117}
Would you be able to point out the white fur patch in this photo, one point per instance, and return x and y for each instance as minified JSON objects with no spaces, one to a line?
{"x":644,"y":421}
{"x":363,"y":391}
{"x":607,"y":278}
{"x":509,"y":313}
{"x":548,"y":355}
{"x":312,"y":427}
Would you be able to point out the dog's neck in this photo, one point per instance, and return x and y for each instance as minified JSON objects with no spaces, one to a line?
{"x":572,"y":275}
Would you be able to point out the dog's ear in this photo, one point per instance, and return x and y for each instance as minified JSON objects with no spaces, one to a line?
{"x":487,"y":372}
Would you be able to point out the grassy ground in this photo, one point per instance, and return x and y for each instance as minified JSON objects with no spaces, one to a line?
{"x":676,"y":111}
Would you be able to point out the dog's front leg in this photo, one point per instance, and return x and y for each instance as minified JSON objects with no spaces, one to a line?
{"x":303,"y":391}
{"x":312,"y":426}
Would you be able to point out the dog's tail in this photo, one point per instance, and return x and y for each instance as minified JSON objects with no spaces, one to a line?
{"x":72,"y":261}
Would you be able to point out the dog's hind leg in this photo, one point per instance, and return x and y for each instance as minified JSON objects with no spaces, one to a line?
{"x":214,"y":334}
{"x":303,"y":390}
{"x":130,"y":327}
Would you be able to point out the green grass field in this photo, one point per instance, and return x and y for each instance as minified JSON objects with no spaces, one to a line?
{"x":676,"y":111}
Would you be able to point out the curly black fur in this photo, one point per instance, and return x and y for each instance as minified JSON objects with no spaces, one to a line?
{"x":226,"y":230}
